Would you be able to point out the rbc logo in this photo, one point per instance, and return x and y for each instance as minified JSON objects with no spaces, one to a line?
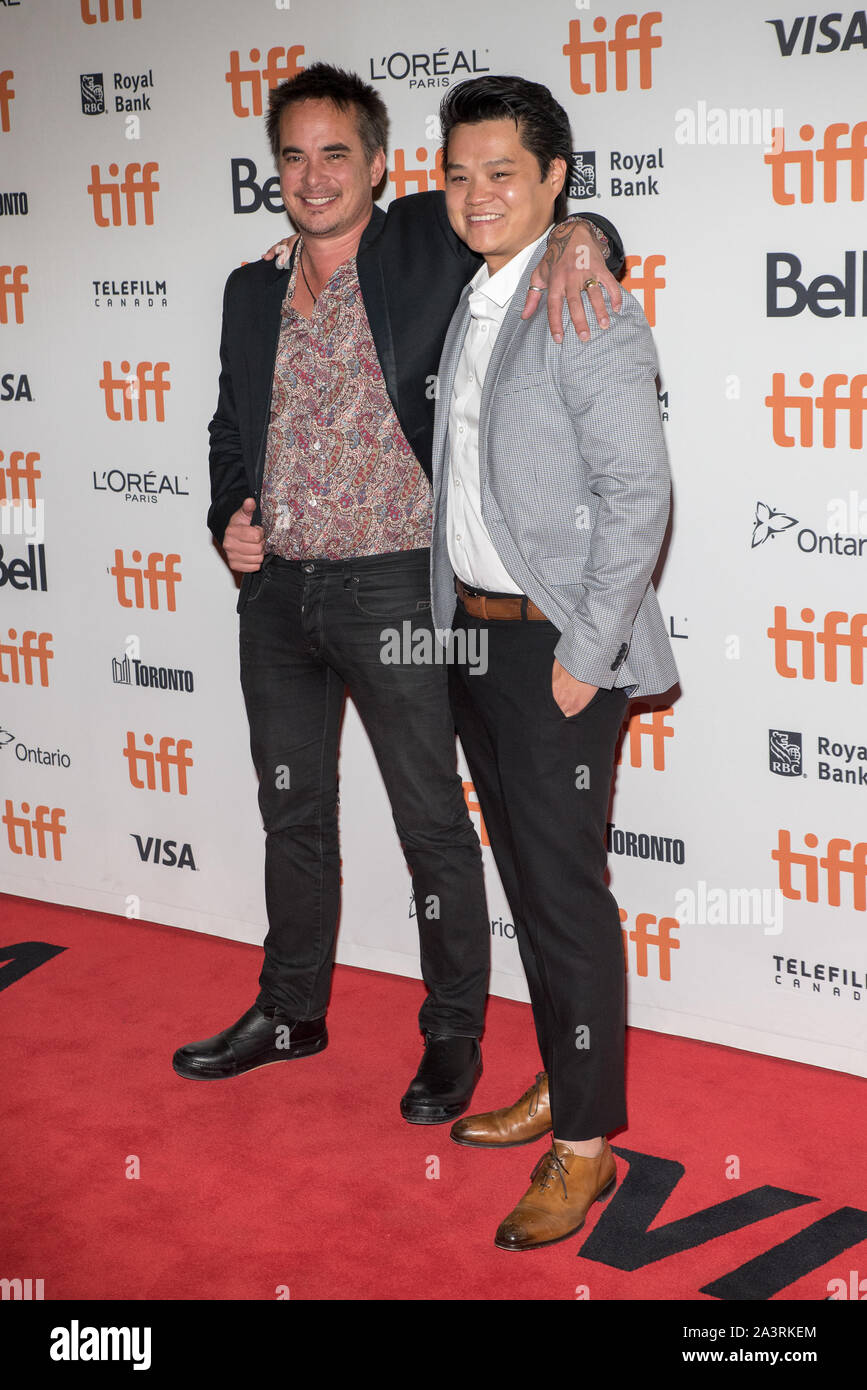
{"x":92,"y":94}
{"x":583,"y":182}
{"x":784,"y":752}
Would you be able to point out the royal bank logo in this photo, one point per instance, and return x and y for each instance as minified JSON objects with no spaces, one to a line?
{"x":785,"y":753}
{"x":92,"y":94}
{"x":582,"y":184}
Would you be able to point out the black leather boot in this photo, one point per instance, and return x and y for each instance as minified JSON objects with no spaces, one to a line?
{"x":262,"y":1036}
{"x":444,"y":1083}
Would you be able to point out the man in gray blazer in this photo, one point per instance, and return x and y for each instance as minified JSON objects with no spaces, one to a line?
{"x":551,"y":496}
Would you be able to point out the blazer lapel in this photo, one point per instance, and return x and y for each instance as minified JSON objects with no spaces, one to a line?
{"x":449,"y":359}
{"x":508,"y":328}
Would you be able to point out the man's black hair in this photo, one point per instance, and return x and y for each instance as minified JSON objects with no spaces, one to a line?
{"x":542,"y":124}
{"x":322,"y":82}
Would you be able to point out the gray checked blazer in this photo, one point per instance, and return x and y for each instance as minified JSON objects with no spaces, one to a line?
{"x":567,"y":434}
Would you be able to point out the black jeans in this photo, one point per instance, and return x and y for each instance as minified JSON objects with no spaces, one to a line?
{"x":308,"y":631}
{"x":543,"y":782}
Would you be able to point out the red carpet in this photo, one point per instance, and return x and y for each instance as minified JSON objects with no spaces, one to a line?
{"x":306,"y":1176}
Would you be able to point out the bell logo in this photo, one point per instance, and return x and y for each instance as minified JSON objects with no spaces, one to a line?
{"x":647,"y":723}
{"x":421,"y":179}
{"x":34,"y":837}
{"x":173,"y":753}
{"x":834,"y":864}
{"x":830,"y":639}
{"x":12,"y":287}
{"x":830,"y":155}
{"x":7,"y":96}
{"x":160,"y":572}
{"x":648,"y":282}
{"x":135,"y":384}
{"x":475,"y":809}
{"x":130,"y":186}
{"x":27,"y":661}
{"x":282,"y":63}
{"x":21,"y":468}
{"x":831,"y":400}
{"x":623,"y":43}
{"x":643,"y":939}
{"x":104,"y":10}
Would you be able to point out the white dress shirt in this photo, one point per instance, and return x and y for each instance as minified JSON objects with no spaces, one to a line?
{"x":471,"y":551}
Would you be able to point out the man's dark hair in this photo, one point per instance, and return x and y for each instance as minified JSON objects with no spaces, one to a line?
{"x":543,"y":126}
{"x":322,"y":82}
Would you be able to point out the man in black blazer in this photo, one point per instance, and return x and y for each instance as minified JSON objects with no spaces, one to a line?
{"x":320,"y":482}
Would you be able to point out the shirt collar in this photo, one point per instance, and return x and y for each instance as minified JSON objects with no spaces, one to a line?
{"x":496,"y":290}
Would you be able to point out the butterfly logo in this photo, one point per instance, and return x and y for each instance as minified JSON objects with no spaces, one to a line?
{"x":768,"y":523}
{"x":5,"y":736}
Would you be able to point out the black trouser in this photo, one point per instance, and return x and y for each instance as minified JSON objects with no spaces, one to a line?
{"x":543,"y":782}
{"x":310,"y":630}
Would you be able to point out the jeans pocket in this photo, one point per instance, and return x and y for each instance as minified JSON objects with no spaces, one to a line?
{"x":391,"y":598}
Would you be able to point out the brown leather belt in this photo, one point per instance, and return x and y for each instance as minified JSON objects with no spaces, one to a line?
{"x":518,"y":609}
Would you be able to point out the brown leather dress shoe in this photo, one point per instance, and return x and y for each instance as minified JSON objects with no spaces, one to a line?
{"x":521,"y":1123}
{"x":562,"y":1190}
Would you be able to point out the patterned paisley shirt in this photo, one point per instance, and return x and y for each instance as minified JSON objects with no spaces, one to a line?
{"x":340,"y":479}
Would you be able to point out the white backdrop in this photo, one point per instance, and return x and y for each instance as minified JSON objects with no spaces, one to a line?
{"x":119,"y":124}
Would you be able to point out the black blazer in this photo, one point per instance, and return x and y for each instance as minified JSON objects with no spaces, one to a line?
{"x":412,"y":269}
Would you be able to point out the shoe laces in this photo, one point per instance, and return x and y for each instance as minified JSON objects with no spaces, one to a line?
{"x":550,"y":1164}
{"x":534,"y":1094}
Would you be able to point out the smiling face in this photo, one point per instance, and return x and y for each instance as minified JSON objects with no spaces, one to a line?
{"x":496,"y":198}
{"x":325,"y":178}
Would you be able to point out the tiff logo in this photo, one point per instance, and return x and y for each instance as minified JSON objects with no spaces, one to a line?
{"x":829,"y":401}
{"x":647,"y":724}
{"x":103,"y":14}
{"x":832,"y":861}
{"x":7,"y":96}
{"x":643,"y":43}
{"x":173,"y":753}
{"x":46,"y":826}
{"x":643,"y":939}
{"x":13,"y":288}
{"x":421,"y":179}
{"x":281,"y":64}
{"x":831,"y":154}
{"x":160,"y":570}
{"x":130,"y":186}
{"x":648,"y":282}
{"x":21,"y":663}
{"x":21,"y":469}
{"x":136,"y":384}
{"x":830,"y":639}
